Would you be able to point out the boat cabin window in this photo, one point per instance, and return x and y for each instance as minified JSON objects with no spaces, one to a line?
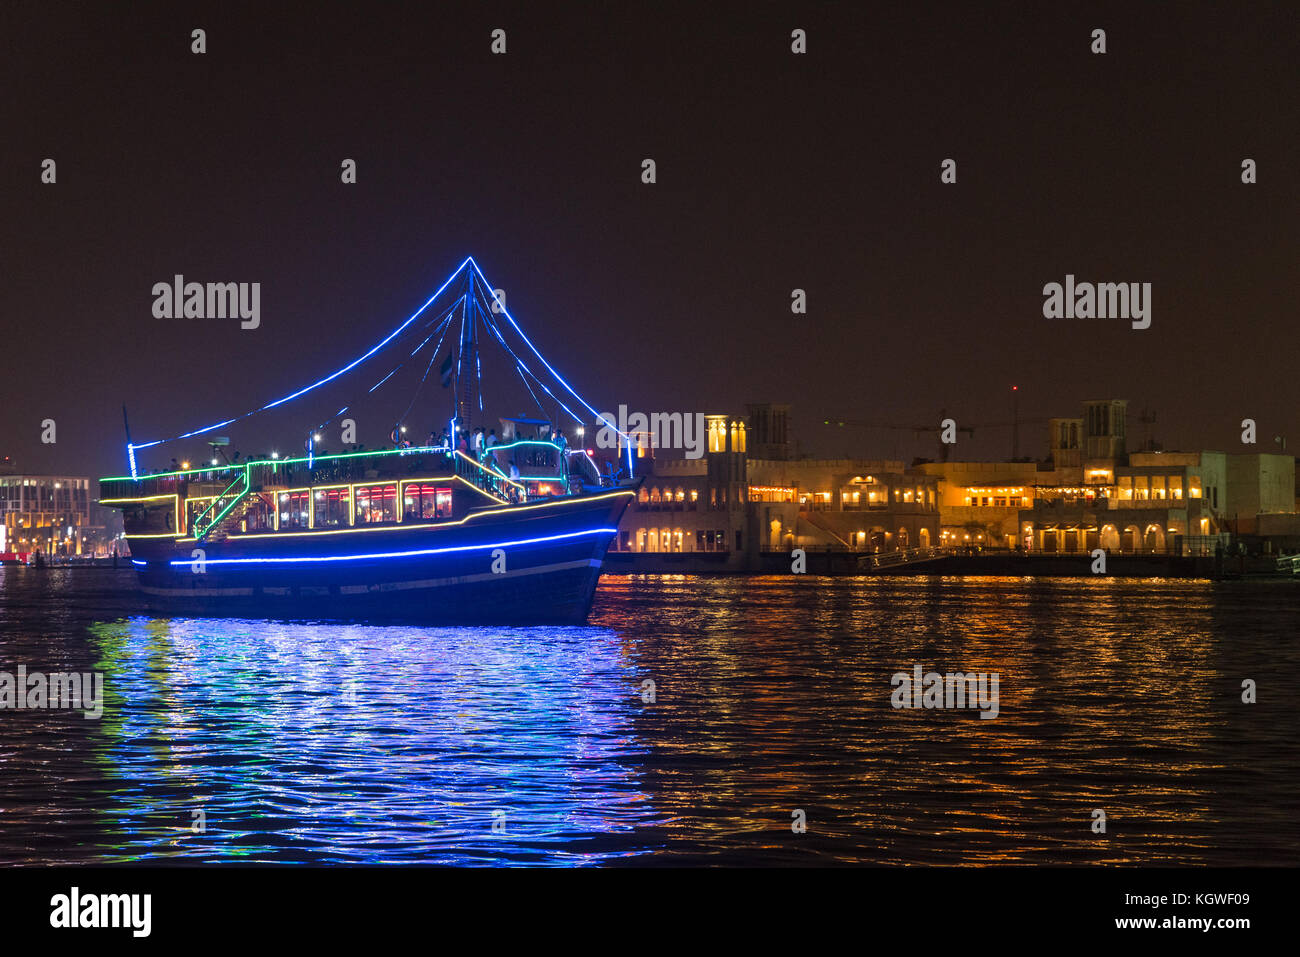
{"x":423,"y":503}
{"x":331,"y":508}
{"x":376,"y":504}
{"x":194,"y":508}
{"x":294,"y":510}
{"x":260,"y":515}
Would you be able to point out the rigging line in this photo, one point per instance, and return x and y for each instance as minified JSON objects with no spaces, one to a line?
{"x":445,"y":317}
{"x":523,"y":366}
{"x":352,"y":365}
{"x":330,"y":419}
{"x":524,"y":379}
{"x":523,"y":369}
{"x":537,"y":378}
{"x":518,"y":366}
{"x":442,"y":321}
{"x":385,"y":378}
{"x":506,"y":313}
{"x":432,"y":359}
{"x":478,"y":363}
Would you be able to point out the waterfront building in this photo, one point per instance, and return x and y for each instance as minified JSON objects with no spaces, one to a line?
{"x":50,"y":514}
{"x":1097,"y":494}
{"x":1088,"y":492}
{"x":729,"y":508}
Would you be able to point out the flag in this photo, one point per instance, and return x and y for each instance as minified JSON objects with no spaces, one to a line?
{"x":446,"y":371}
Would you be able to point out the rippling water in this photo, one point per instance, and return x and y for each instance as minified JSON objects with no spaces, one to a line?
{"x":323,"y":743}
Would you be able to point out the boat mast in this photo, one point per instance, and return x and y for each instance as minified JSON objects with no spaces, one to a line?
{"x":467,"y":357}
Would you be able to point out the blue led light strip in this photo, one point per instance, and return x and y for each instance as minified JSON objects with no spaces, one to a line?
{"x":520,"y":363}
{"x":374,"y":555}
{"x":329,"y":378}
{"x":558,"y":377}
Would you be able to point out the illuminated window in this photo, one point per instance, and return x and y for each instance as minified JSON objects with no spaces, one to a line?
{"x":695,"y":495}
{"x":330,"y":508}
{"x":717,"y":435}
{"x":424,"y":503}
{"x":737,"y":436}
{"x":294,"y":510}
{"x":376,"y":504}
{"x":260,"y":515}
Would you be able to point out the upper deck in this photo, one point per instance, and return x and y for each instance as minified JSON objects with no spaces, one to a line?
{"x":389,"y":487}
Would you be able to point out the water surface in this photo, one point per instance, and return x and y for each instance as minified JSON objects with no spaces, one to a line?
{"x":253,"y":741}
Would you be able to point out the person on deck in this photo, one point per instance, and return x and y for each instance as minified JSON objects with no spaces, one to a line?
{"x":562,"y":463}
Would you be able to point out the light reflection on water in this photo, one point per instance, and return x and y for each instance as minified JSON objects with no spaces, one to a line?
{"x":353,"y":743}
{"x":360,"y":743}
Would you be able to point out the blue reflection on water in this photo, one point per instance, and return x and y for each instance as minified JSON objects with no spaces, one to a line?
{"x":357,"y":743}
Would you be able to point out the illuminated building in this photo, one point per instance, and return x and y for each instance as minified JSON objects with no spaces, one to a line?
{"x":730,"y":507}
{"x":51,"y":514}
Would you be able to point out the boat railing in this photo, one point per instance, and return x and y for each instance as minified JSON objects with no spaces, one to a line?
{"x":490,"y":479}
{"x":346,"y":468}
{"x":166,"y":483}
{"x":220,"y":506}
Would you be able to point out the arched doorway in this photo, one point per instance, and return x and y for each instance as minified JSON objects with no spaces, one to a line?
{"x":1109,"y":538}
{"x":902,"y":539}
{"x":1153,"y":540}
{"x":1132,"y":540}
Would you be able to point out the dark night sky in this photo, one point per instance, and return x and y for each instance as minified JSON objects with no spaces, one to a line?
{"x":775,"y":171}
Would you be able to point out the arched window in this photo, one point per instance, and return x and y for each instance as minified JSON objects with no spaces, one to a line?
{"x":717,"y":436}
{"x":737,"y":436}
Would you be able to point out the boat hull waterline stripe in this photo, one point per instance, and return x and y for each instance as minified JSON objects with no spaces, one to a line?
{"x":370,"y":589}
{"x":385,"y":555}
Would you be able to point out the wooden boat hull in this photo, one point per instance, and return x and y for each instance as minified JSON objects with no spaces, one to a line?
{"x":536,"y":563}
